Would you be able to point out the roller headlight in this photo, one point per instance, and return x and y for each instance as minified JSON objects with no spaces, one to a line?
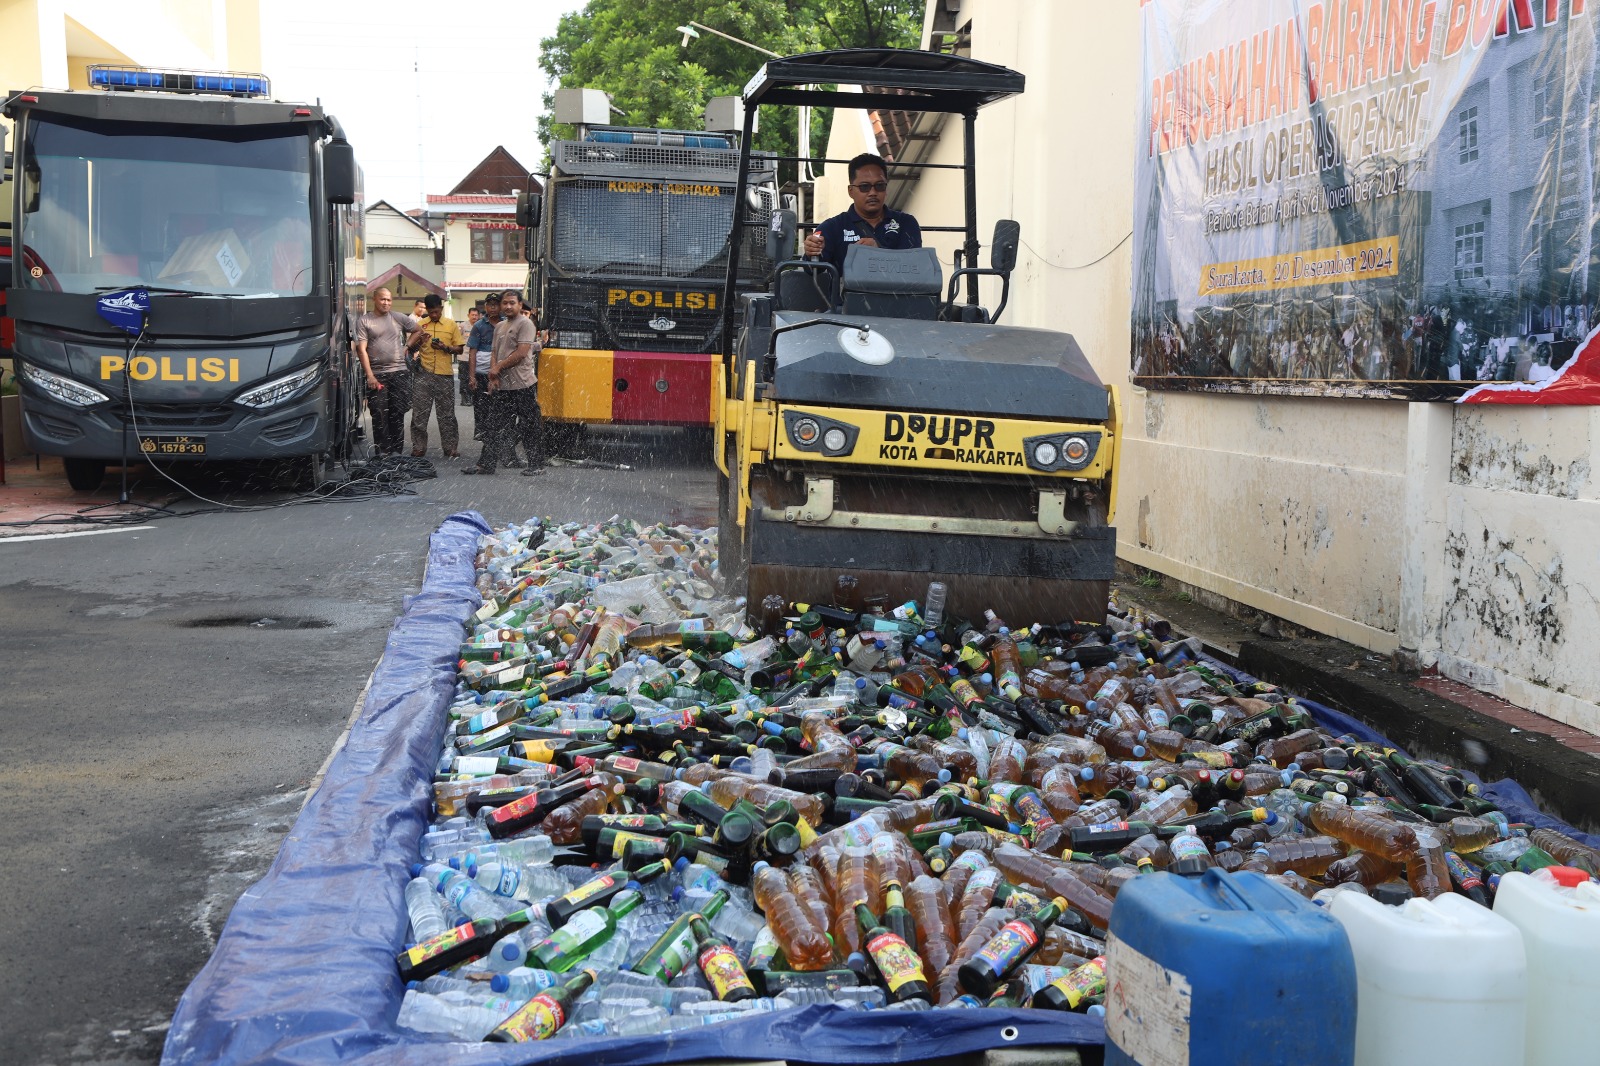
{"x":1055,"y":453}
{"x":278,"y":390}
{"x":809,"y":432}
{"x":61,"y":388}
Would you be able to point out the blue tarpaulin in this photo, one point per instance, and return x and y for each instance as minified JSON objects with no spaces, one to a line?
{"x":304,"y":971}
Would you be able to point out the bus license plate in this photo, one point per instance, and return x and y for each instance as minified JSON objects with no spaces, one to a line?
{"x":172,"y":445}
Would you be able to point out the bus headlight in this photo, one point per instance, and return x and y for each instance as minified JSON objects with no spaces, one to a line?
{"x":66,"y":390}
{"x":278,"y":390}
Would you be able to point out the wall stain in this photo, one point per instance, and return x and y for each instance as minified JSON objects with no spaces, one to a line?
{"x":1155,"y":415}
{"x":1485,"y":459}
{"x":1498,"y":592}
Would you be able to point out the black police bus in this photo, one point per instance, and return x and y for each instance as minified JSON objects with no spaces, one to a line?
{"x":240,"y":216}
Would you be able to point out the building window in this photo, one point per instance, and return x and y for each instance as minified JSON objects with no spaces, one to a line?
{"x":1546,"y":100}
{"x":1469,"y":250}
{"x":497,"y":246}
{"x":1468,"y":141}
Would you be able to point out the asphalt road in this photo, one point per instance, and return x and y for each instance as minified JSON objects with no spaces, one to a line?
{"x":170,"y":694}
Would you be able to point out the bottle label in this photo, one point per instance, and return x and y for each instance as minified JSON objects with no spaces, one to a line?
{"x":540,"y":750}
{"x":510,"y":878}
{"x":570,"y":938}
{"x":620,"y":841}
{"x":516,"y":809}
{"x":898,"y":964}
{"x":1187,"y":846}
{"x":625,"y":764}
{"x":537,"y":1019}
{"x":721,"y":966}
{"x":1104,"y":827}
{"x":590,"y":889}
{"x":438,"y":945}
{"x":476,"y":764}
{"x":1007,"y":948}
{"x":765,"y":949}
{"x":675,"y":957}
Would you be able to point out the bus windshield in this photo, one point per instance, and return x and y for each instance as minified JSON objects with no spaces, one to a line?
{"x":652,"y":229}
{"x":109,"y":205}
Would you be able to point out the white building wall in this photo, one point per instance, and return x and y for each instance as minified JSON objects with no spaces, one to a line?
{"x":1465,"y":536}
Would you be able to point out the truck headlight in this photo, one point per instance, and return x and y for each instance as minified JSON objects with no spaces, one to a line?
{"x":818,"y":433}
{"x":69,"y":392}
{"x":278,"y":390}
{"x":1061,"y":452}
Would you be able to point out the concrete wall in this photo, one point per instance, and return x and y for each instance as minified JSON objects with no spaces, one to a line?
{"x":1465,"y":536}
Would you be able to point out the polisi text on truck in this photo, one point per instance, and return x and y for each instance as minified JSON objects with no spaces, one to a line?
{"x":677,"y":301}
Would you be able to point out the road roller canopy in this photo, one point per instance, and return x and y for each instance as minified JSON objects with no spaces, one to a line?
{"x":930,"y":81}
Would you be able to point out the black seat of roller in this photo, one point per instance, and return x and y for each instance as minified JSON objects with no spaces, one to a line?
{"x":892,"y":283}
{"x":804,"y":290}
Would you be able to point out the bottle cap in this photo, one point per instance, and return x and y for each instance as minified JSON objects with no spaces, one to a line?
{"x":472,"y":868}
{"x":416,"y":869}
{"x":1567,"y":876}
{"x":759,"y":866}
{"x":680,"y":864}
{"x":946,"y":840}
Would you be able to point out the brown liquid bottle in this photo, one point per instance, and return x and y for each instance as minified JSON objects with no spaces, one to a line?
{"x":1119,"y":743}
{"x":1059,"y":790}
{"x":565,"y":824}
{"x":1165,"y":806}
{"x":810,"y":889}
{"x":976,"y":898}
{"x":959,"y":873}
{"x":1098,"y":780}
{"x":1164,"y":744}
{"x":728,"y":790}
{"x":793,"y":924}
{"x":961,"y":763}
{"x":1005,"y":761}
{"x":1566,"y":850}
{"x":986,"y":927}
{"x":1307,"y":856}
{"x":1024,"y":867}
{"x":936,"y":932}
{"x":1427,"y":870}
{"x":1466,"y":835}
{"x":1281,"y":751}
{"x":855,"y":880}
{"x":1362,"y":868}
{"x":1365,"y":830}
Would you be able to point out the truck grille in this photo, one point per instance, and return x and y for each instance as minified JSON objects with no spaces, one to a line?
{"x":175,"y":415}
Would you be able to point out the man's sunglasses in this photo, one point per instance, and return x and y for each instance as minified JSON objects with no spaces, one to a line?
{"x":871,"y":186}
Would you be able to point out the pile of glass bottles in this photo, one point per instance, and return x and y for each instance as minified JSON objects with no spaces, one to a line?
{"x":657,"y":809}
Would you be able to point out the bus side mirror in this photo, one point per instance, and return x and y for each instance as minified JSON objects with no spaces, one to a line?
{"x":529,"y":209}
{"x":780,"y":236}
{"x":1003,"y":251}
{"x":339,"y":172}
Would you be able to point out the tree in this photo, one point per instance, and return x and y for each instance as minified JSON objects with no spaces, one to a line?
{"x":632,"y":49}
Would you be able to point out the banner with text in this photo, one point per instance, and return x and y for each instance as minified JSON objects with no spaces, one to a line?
{"x":1380,"y":198}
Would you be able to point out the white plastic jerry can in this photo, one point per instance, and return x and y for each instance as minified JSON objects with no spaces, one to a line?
{"x":1558,"y":911}
{"x":1438,"y":983}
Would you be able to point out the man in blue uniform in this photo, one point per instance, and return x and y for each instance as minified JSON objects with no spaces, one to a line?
{"x":867,"y":221}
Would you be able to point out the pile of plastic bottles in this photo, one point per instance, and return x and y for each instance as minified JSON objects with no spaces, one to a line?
{"x":656,"y":810}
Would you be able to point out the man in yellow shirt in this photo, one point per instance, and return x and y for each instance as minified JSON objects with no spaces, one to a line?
{"x":433,"y":347}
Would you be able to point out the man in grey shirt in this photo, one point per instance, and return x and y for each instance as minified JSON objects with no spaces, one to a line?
{"x":380,"y":345}
{"x":513,"y":390}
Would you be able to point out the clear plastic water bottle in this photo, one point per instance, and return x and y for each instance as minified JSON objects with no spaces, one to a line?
{"x":513,"y":881}
{"x":426,"y":1013}
{"x":425,"y":908}
{"x":466,"y":896}
{"x":523,"y":983}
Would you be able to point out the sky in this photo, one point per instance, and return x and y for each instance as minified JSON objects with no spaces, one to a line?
{"x":424,"y":90}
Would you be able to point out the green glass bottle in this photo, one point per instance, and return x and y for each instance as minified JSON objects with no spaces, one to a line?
{"x":674,"y":950}
{"x":583,"y":934}
{"x":542,"y":1016}
{"x":1008,"y":949}
{"x":899,"y":966}
{"x":720,"y":964}
{"x":896,"y":916}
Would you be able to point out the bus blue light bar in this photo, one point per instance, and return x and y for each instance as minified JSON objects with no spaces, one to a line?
{"x":136,"y":79}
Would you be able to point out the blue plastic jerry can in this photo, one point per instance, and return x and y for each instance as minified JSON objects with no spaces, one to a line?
{"x":1226,"y":968}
